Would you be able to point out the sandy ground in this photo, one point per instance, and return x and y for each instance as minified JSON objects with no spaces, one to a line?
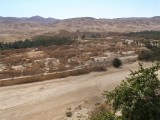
{"x":49,"y":100}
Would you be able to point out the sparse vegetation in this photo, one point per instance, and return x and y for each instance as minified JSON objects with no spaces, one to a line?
{"x":101,"y":112}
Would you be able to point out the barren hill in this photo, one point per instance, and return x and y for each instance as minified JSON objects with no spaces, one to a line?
{"x":104,"y":25}
{"x":21,"y":28}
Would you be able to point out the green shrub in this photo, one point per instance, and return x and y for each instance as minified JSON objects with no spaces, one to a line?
{"x":37,"y":42}
{"x":116,"y":62}
{"x":69,"y":114}
{"x":145,"y":55}
{"x":152,"y":55}
{"x":138,"y":97}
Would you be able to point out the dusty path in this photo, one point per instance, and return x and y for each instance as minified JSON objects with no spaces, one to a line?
{"x":48,"y":100}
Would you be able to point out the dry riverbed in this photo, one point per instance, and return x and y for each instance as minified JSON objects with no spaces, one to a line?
{"x":49,"y":100}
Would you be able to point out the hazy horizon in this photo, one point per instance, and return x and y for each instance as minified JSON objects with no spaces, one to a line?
{"x":79,"y":17}
{"x":64,"y":9}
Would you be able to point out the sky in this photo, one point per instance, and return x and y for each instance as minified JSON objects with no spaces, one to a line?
{"x":63,"y":9}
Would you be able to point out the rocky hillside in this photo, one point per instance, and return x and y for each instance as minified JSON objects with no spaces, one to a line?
{"x":21,"y":28}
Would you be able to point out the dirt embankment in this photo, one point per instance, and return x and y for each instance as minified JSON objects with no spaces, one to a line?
{"x":49,"y":100}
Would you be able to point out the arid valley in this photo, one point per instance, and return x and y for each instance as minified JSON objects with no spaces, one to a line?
{"x":80,"y":60}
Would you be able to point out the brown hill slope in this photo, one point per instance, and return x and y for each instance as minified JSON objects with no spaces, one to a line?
{"x":21,"y":28}
{"x":104,"y":25}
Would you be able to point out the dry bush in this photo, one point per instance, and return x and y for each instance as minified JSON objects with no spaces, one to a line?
{"x":33,"y":70}
{"x":61,"y":67}
{"x":71,"y":55}
{"x":11,"y":52}
{"x":14,"y":60}
{"x":74,"y":63}
{"x":100,"y":108}
{"x":94,"y":54}
{"x":69,"y":114}
{"x":102,"y":112}
{"x":56,"y":54}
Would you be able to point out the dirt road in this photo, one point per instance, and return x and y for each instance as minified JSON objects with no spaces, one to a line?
{"x":48,"y":100}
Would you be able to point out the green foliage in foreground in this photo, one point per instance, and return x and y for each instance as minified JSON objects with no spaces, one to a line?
{"x":37,"y":42}
{"x":137,"y":97}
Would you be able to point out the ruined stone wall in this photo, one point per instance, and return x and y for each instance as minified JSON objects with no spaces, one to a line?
{"x":43,"y":77}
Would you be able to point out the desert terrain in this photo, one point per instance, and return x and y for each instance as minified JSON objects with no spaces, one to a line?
{"x":14,"y":29}
{"x":80,"y":60}
{"x":67,"y":64}
{"x":50,"y":100}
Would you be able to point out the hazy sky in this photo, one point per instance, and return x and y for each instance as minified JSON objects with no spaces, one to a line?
{"x":80,"y":8}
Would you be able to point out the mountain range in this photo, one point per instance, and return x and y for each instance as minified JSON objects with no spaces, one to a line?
{"x":13,"y":28}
